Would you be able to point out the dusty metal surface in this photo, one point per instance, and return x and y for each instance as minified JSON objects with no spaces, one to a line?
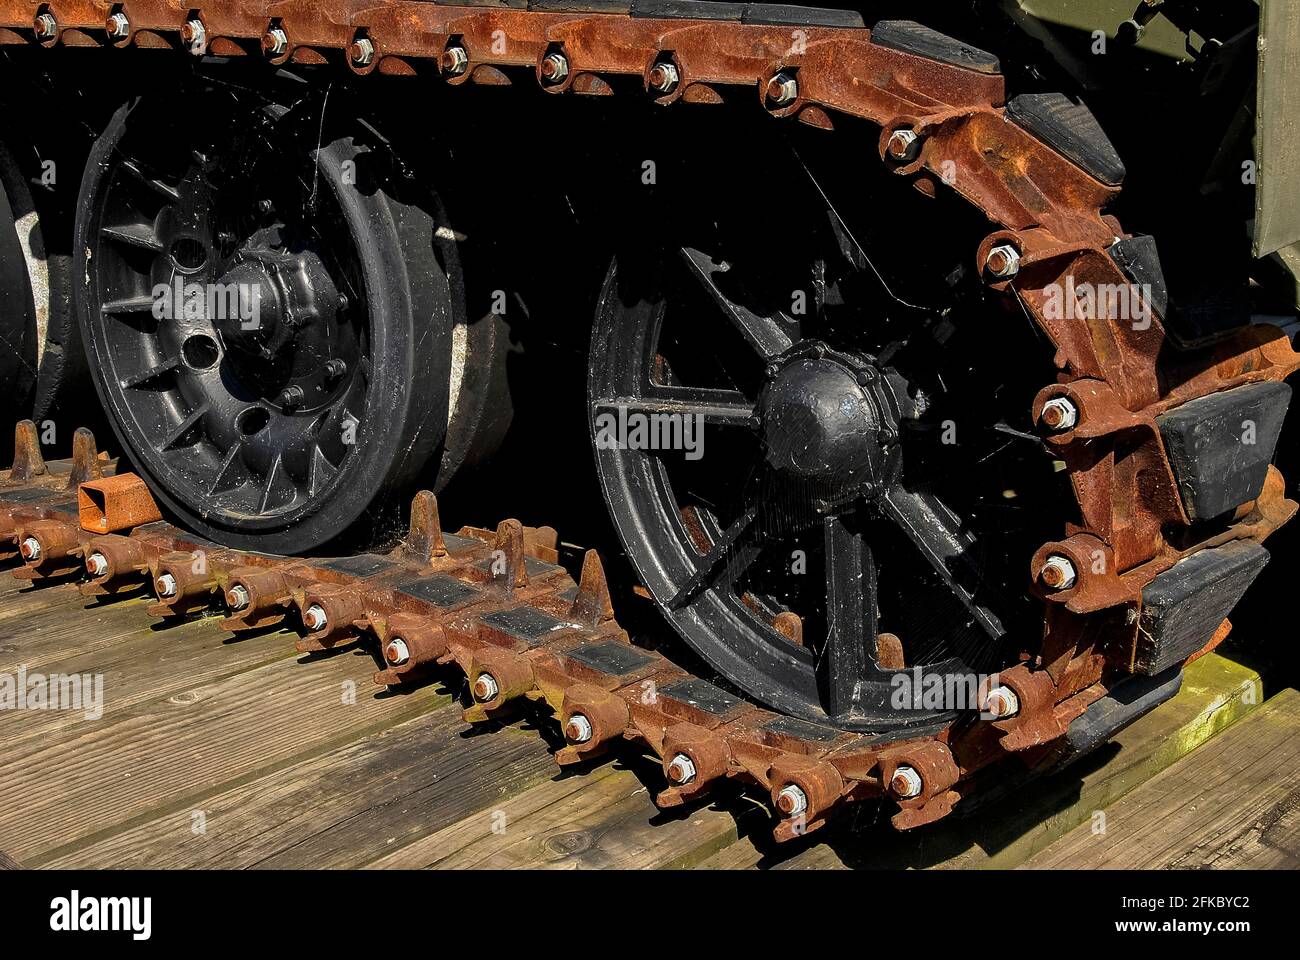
{"x":538,"y":636}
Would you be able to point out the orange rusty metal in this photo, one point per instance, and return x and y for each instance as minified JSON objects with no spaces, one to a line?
{"x":115,"y":503}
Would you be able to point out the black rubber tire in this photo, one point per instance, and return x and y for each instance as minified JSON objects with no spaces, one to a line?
{"x":410,"y":314}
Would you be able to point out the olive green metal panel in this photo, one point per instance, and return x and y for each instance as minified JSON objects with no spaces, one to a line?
{"x":1089,"y":16}
{"x":1277,"y":144}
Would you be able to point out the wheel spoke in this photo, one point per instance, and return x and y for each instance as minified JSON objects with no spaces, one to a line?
{"x":137,"y":380}
{"x":726,"y":560}
{"x":947,"y":547}
{"x":720,"y":407}
{"x":849,"y":655}
{"x":765,"y":334}
{"x":170,"y":194}
{"x":232,"y":473}
{"x":127,"y":305}
{"x":137,"y":235}
{"x":179,"y":432}
{"x":278,"y":489}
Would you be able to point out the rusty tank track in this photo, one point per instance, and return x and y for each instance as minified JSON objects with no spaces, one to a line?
{"x":526,"y":627}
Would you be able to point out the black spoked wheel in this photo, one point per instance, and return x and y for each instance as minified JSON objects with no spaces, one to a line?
{"x":267,"y":311}
{"x":805,"y":544}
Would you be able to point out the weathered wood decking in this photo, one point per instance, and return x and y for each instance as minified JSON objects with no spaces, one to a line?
{"x":213,"y":752}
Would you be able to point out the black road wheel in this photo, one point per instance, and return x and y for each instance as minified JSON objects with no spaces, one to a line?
{"x":824,"y":535}
{"x":267,"y":310}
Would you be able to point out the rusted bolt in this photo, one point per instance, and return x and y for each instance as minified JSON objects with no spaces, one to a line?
{"x":485,"y":688}
{"x":578,"y":729}
{"x":314,"y":619}
{"x":118,"y":26}
{"x":1002,"y":702}
{"x":681,"y":770}
{"x":97,"y":564}
{"x":454,"y":61}
{"x":1058,"y":573}
{"x":362,"y":52}
{"x":237,"y":597}
{"x":1003,"y":261}
{"x":905,"y":783}
{"x":904,"y":145}
{"x":664,"y":77}
{"x":336,"y":368}
{"x":792,"y":801}
{"x":782,"y":89}
{"x":275,"y":41}
{"x":555,"y":67}
{"x":193,"y":35}
{"x":45,"y":25}
{"x":1059,"y":414}
{"x":397,"y":652}
{"x":30,"y":548}
{"x":166,"y":585}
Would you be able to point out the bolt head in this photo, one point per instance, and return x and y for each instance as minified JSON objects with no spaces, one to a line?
{"x":906,"y":783}
{"x":454,"y":61}
{"x":363,"y":51}
{"x":791,"y":800}
{"x":45,"y":26}
{"x":166,"y":585}
{"x":290,"y":397}
{"x":555,"y":67}
{"x":275,"y":41}
{"x":397,"y":652}
{"x":782,"y":89}
{"x":1058,"y":573}
{"x":118,"y":25}
{"x":681,"y":770}
{"x":314,"y":618}
{"x":237,"y":597}
{"x":664,"y":77}
{"x":1059,"y":415}
{"x":97,"y":564}
{"x":1003,"y":262}
{"x":485,"y":688}
{"x":30,"y":549}
{"x":904,"y":145}
{"x":578,"y":729}
{"x":1002,"y":703}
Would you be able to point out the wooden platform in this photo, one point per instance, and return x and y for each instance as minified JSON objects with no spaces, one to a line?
{"x":213,"y":752}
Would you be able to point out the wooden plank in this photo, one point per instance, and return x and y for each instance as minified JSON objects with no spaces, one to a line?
{"x":342,"y":808}
{"x":1216,"y":693}
{"x":1233,"y":803}
{"x":171,"y":754}
{"x":604,"y":817}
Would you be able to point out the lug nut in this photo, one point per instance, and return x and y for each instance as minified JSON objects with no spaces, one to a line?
{"x":782,"y":89}
{"x":1003,"y":261}
{"x":45,"y":26}
{"x":485,"y":688}
{"x":1058,"y":573}
{"x":1002,"y":703}
{"x":194,"y":36}
{"x":30,"y":548}
{"x":314,"y":619}
{"x":166,"y":585}
{"x":363,"y":51}
{"x":1059,"y":414}
{"x":118,"y":26}
{"x":454,"y":61}
{"x":275,"y":41}
{"x":237,"y":597}
{"x":578,"y":729}
{"x":904,"y":145}
{"x":792,"y":801}
{"x":555,"y":67}
{"x":681,"y":770}
{"x":290,"y":397}
{"x":905,"y":783}
{"x":664,"y":77}
{"x":336,"y":368}
{"x":97,"y":564}
{"x":397,"y":652}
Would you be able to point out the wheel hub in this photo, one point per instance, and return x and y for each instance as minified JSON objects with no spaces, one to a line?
{"x":824,"y":420}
